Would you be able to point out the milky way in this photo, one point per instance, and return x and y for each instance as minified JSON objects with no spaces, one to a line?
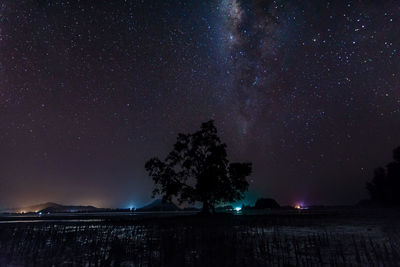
{"x":309,"y":91}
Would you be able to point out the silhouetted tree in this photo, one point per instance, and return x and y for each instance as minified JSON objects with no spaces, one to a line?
{"x":385,"y":185}
{"x":197,"y":169}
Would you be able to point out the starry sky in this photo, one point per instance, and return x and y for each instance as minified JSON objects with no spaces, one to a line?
{"x":309,"y":91}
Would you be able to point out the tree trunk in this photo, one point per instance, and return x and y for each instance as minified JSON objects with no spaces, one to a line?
{"x":206,"y":207}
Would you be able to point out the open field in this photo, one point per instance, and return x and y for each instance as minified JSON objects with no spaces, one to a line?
{"x":307,"y":238}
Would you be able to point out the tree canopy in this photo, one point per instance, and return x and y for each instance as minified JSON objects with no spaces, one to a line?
{"x":197,"y":170}
{"x":385,"y":185}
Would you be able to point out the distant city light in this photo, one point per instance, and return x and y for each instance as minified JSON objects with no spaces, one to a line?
{"x":300,"y":206}
{"x":238,"y":209}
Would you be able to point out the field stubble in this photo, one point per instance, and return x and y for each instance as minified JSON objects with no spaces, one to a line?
{"x":259,"y":240}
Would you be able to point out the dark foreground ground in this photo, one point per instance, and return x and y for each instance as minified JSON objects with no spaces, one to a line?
{"x":326,"y":237}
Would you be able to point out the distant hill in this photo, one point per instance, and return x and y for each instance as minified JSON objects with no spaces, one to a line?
{"x":51,"y":207}
{"x":39,"y":207}
{"x":158,"y":205}
{"x":33,"y":208}
{"x":61,"y":209}
{"x":266,"y":203}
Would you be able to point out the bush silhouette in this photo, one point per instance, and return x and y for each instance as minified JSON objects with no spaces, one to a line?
{"x":385,"y":185}
{"x":197,"y":170}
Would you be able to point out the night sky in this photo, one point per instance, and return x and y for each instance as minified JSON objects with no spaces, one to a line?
{"x":309,"y":91}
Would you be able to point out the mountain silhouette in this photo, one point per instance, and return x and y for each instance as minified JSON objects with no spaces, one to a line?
{"x":51,"y":207}
{"x":158,"y":205}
